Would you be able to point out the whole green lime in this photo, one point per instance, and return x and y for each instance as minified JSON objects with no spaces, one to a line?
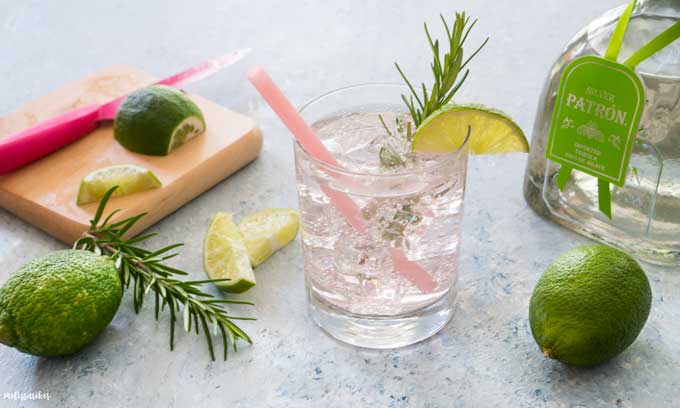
{"x":58,"y":304}
{"x":157,"y":120}
{"x":589,"y":305}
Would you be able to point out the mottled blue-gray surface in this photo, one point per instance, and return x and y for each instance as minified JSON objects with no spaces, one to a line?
{"x":485,"y":357}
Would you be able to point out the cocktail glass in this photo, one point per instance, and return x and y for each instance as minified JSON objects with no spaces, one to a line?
{"x":411,"y":207}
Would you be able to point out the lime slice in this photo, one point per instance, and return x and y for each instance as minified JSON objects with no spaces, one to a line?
{"x":225,"y":255}
{"x":157,"y":120}
{"x":492,"y":131}
{"x":267,"y":231}
{"x":128,"y":177}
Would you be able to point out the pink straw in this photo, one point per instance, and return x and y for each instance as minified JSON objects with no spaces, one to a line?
{"x":304,"y":134}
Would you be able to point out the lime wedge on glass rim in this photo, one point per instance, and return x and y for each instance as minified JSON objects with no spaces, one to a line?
{"x":128,"y":177}
{"x":225,"y":255}
{"x":492,"y":131}
{"x":267,"y":231}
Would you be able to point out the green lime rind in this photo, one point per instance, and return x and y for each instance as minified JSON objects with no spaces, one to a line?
{"x":156,"y":120}
{"x":58,"y":304}
{"x":589,"y":306}
{"x":237,"y":286}
{"x":129,"y":179}
{"x":225,"y":255}
{"x":492,"y":131}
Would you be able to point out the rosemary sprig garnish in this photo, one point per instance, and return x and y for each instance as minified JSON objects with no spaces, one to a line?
{"x":389,"y":158}
{"x":148,"y":270}
{"x":446,"y":72}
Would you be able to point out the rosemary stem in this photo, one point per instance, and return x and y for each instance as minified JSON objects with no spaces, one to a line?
{"x":150,"y":273}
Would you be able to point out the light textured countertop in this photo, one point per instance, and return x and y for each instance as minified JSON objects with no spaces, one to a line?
{"x":484,"y":357}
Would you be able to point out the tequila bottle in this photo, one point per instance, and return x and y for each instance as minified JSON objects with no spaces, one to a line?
{"x":646,"y":210}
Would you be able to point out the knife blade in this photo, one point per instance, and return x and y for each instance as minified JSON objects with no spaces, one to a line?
{"x":193,"y":74}
{"x":22,"y":148}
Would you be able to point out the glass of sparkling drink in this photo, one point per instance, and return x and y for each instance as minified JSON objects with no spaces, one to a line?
{"x":381,"y":227}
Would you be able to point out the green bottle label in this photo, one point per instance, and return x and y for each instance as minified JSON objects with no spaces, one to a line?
{"x":597,"y":112}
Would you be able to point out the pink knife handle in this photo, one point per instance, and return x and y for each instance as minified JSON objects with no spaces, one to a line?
{"x":25,"y":147}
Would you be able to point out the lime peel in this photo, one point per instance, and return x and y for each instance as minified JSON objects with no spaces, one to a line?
{"x":58,"y":304}
{"x":157,"y":120}
{"x":589,"y":305}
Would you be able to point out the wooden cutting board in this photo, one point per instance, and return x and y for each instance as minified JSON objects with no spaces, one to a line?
{"x":44,"y":193}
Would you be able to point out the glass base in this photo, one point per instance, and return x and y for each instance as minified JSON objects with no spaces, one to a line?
{"x":381,"y":332}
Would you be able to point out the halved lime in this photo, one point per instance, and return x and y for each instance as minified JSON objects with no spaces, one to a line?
{"x":492,"y":131}
{"x":267,"y":231}
{"x":157,"y":120}
{"x":128,"y":177}
{"x":225,"y":255}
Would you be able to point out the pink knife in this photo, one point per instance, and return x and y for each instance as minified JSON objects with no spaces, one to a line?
{"x":42,"y":139}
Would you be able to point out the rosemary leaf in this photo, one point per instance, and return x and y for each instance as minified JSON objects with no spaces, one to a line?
{"x":208,"y":338}
{"x":163,"y":250}
{"x":108,"y":217}
{"x":141,"y":238}
{"x":224,"y":341}
{"x":389,"y":158}
{"x":100,"y":210}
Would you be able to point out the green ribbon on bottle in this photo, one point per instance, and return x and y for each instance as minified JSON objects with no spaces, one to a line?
{"x":657,"y":44}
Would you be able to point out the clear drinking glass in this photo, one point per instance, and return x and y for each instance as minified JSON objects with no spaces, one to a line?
{"x":414,"y":210}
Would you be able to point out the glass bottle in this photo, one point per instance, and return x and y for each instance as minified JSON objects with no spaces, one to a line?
{"x":646,"y":210}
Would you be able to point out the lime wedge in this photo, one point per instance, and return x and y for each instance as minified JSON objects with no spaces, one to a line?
{"x":225,"y":255}
{"x":157,"y":120}
{"x":267,"y":231}
{"x":128,"y":177}
{"x":492,"y":131}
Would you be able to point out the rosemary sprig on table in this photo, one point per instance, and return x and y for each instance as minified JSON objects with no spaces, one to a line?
{"x":446,"y":72}
{"x":148,"y":270}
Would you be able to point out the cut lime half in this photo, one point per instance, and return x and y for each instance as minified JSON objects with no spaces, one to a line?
{"x":157,"y":120}
{"x":128,"y":177}
{"x":491,"y":131}
{"x":267,"y":231}
{"x":225,"y":255}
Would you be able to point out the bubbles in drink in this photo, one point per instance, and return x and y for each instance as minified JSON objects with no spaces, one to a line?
{"x":415,"y":206}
